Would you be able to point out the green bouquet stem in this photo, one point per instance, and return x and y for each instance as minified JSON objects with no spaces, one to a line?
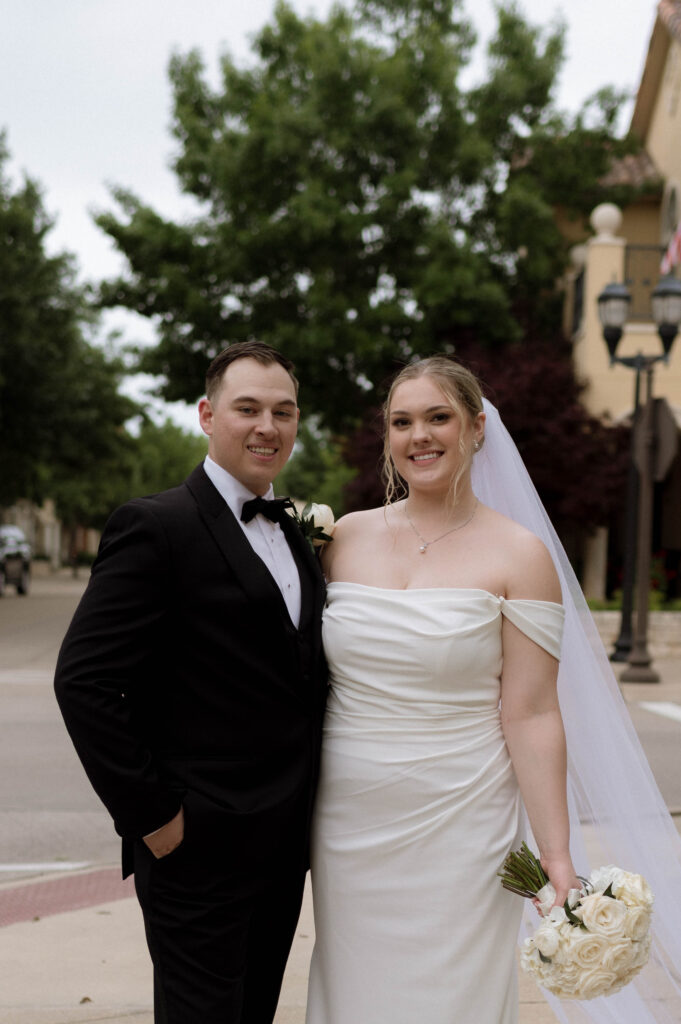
{"x":522,"y":873}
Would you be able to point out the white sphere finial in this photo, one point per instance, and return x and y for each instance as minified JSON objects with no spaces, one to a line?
{"x":605,"y":220}
{"x":578,"y":257}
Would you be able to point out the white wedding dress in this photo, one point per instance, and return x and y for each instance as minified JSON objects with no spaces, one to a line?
{"x":417,"y":808}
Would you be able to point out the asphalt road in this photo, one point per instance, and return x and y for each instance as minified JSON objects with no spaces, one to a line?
{"x":48,"y":812}
{"x":49,"y":815}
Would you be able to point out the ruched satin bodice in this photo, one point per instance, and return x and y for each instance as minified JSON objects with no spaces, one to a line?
{"x":436,"y":646}
{"x":416,"y":809}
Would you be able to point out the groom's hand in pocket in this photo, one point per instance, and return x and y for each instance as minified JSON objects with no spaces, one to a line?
{"x":167,"y":838}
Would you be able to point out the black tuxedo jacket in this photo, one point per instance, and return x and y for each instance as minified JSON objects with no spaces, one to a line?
{"x":182,"y":679}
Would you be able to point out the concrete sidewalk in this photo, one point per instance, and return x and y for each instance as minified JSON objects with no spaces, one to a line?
{"x":72,"y":947}
{"x":91,"y":965}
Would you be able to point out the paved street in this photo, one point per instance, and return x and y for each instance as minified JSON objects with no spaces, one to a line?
{"x":69,"y":929}
{"x":48,"y":813}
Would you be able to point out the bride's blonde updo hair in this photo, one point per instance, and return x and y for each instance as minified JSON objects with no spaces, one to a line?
{"x":462,"y":392}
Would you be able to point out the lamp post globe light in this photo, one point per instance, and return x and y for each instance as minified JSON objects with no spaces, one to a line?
{"x":666,"y":306}
{"x":613,"y":307}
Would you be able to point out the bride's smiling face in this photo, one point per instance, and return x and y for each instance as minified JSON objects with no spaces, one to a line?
{"x":428,"y":441}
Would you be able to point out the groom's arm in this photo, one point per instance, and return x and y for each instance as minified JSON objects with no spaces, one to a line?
{"x":108,"y":653}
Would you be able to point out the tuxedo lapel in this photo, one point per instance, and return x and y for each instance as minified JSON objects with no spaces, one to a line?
{"x":250,"y":570}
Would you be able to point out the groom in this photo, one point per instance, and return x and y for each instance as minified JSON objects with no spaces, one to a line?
{"x":192,"y":683}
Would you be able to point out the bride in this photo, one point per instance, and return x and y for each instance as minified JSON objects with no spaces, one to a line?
{"x":443,"y":634}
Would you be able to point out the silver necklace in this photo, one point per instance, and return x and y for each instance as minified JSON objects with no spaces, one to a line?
{"x":425,"y":544}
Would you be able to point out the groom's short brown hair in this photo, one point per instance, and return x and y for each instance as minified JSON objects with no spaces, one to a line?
{"x":257,"y":350}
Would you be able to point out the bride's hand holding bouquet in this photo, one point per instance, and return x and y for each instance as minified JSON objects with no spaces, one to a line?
{"x":593,"y":944}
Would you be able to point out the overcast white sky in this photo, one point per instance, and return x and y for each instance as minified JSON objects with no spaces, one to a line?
{"x":85,"y":99}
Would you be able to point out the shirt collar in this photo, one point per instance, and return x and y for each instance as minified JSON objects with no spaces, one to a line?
{"x":231,"y":489}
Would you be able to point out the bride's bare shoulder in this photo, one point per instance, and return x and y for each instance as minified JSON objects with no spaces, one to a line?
{"x":357,"y":535}
{"x":528,"y":566}
{"x":507,"y":529}
{"x":361,"y":524}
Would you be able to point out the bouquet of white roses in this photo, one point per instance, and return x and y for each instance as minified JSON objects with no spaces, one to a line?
{"x":595,"y":943}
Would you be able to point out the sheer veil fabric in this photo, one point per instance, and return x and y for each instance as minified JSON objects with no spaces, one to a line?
{"x":617,"y":812}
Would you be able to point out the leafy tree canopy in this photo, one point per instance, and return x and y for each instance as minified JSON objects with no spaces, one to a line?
{"x":317,"y":470}
{"x":61,"y":415}
{"x":164,"y":456}
{"x":356,"y":205}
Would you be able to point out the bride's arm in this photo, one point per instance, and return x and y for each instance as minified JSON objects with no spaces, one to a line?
{"x":532,"y":722}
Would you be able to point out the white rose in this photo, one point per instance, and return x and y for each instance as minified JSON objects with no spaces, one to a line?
{"x":618,"y":957}
{"x":564,"y":981}
{"x":567,"y":935}
{"x":602,"y":877}
{"x":546,"y":939}
{"x":641,"y":953}
{"x":633,"y":890}
{"x":596,"y":981}
{"x":619,"y":984}
{"x":587,"y":949}
{"x":530,"y":961}
{"x":561,"y":992}
{"x":637,"y":923}
{"x":322,"y":516}
{"x":602,"y":914}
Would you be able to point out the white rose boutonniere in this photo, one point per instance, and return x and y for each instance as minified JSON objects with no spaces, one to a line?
{"x":596,"y":942}
{"x":316,"y":523}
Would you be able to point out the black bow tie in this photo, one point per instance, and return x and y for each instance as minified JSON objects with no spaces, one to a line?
{"x":274,"y":509}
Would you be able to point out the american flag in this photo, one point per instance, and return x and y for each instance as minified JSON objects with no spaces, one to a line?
{"x":673,"y":253}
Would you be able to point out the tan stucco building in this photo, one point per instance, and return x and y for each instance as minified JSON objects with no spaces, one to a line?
{"x":630,"y":250}
{"x":627,"y":246}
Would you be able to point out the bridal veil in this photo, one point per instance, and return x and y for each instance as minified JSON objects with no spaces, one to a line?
{"x":617,"y":813}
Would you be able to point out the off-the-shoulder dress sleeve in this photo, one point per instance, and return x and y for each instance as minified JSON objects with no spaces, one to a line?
{"x":541,"y":621}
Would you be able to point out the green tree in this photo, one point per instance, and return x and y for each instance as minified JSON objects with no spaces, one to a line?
{"x":357,"y":206}
{"x":61,"y":415}
{"x":316,"y":470}
{"x":164,"y":455}
{"x":91,"y":452}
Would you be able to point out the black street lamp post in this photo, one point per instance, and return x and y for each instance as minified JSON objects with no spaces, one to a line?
{"x":613,"y":306}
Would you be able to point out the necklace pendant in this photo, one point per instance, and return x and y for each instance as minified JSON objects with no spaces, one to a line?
{"x":423,"y":549}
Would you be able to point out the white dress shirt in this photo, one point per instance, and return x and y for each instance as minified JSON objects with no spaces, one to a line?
{"x":266,"y":538}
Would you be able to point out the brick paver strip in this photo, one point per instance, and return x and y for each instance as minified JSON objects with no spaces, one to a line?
{"x":40,"y":899}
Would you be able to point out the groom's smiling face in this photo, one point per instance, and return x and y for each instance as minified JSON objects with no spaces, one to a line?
{"x":251,"y":422}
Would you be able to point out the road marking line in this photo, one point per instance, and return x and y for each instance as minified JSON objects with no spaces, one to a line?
{"x":56,"y":865}
{"x":28,"y":676}
{"x":662,"y":707}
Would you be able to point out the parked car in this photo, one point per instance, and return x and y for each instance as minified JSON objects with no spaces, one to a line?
{"x":15,"y":559}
